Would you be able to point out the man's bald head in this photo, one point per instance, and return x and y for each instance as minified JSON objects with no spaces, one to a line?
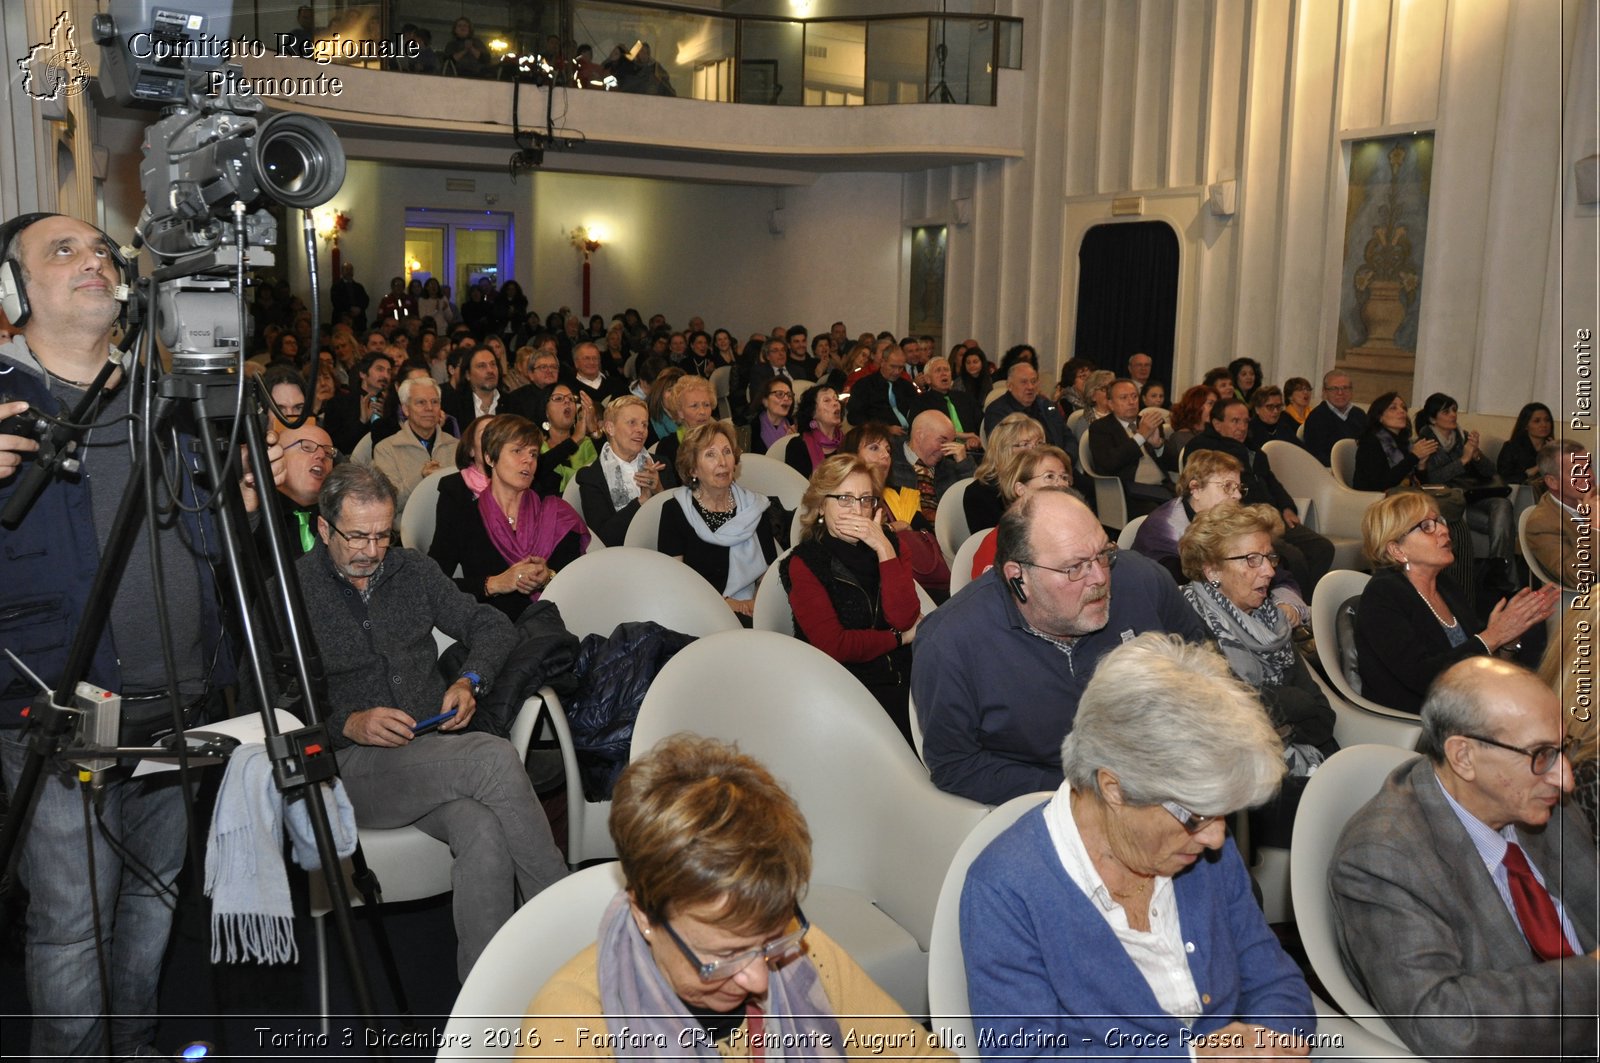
{"x":930,"y":431}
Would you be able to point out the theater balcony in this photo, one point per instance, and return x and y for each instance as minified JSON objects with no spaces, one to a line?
{"x":758,"y":100}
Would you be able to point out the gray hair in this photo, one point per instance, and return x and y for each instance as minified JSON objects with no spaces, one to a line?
{"x":1171,"y":721}
{"x":1551,"y":453}
{"x":1456,"y":704}
{"x":409,"y":384}
{"x":351,"y":480}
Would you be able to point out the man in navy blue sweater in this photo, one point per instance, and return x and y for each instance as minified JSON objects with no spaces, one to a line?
{"x":1000,"y":667}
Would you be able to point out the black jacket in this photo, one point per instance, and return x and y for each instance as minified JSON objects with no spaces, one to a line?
{"x":869,"y":400}
{"x":966,"y":408}
{"x":1400,"y":645}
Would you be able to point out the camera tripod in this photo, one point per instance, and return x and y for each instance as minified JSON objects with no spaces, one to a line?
{"x":280,"y":665}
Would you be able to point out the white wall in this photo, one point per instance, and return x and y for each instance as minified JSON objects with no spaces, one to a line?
{"x":1161,"y":100}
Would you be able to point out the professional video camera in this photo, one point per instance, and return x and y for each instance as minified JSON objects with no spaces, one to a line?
{"x":208,"y":156}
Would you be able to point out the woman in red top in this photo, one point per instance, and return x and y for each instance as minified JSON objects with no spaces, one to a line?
{"x":850,"y":587}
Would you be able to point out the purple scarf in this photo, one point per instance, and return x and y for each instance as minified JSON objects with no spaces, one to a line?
{"x":541,"y":525}
{"x":820,"y":445}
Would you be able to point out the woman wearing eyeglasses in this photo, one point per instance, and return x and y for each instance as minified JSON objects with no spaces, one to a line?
{"x":1413,"y":621}
{"x":509,"y":541}
{"x":850,"y":586}
{"x":1118,"y":917}
{"x":1267,"y":421}
{"x":707,"y":953}
{"x":1038,"y":466}
{"x":1209,"y":479}
{"x":1227,"y":554}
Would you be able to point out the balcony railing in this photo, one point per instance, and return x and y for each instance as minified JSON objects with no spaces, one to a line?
{"x":673,"y":51}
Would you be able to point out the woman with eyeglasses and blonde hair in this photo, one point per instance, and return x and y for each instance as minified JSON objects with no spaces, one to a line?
{"x":982,"y":502}
{"x":706,"y":952}
{"x":1118,"y":915}
{"x":1413,"y":621}
{"x":1228,"y":556}
{"x":1033,"y":468}
{"x":850,"y":585}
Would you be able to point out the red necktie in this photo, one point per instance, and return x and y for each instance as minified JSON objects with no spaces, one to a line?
{"x":1535,"y":910}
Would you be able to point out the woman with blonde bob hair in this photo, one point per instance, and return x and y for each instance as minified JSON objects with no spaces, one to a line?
{"x":850,"y":585}
{"x":982,"y":502}
{"x":713,"y":525}
{"x":1035,"y":468}
{"x":693,"y":403}
{"x":1165,"y":744}
{"x":1413,"y":621}
{"x":1227,"y":555}
{"x":706,"y":950}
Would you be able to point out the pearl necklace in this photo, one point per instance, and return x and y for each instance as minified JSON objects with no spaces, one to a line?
{"x":1436,"y":616}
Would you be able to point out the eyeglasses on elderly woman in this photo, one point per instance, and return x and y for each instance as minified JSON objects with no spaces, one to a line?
{"x":777,"y":950}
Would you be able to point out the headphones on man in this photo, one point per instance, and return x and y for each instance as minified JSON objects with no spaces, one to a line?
{"x":14,"y":293}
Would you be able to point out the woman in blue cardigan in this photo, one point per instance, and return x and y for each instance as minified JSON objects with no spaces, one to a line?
{"x":1117,"y":919}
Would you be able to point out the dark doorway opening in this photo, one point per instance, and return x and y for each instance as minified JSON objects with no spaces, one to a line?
{"x":1128,"y":297}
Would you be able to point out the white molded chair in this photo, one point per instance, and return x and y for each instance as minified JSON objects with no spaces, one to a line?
{"x":772,"y":477}
{"x":947,"y":971}
{"x":1111,"y":505}
{"x":961,"y":567}
{"x":553,"y":927}
{"x":720,"y":378}
{"x":573,"y":497}
{"x":645,"y":527}
{"x":1342,"y":463}
{"x":1360,"y":719}
{"x":1334,"y":509}
{"x":1078,"y":423}
{"x":800,"y":387}
{"x":1129,"y":532}
{"x":950,"y":519}
{"x":422,"y":512}
{"x":1344,"y":782}
{"x":772,"y":613}
{"x":994,"y":393}
{"x":883,"y":834}
{"x":596,"y":593}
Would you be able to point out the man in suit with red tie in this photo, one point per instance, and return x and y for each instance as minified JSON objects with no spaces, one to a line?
{"x":1464,"y":894}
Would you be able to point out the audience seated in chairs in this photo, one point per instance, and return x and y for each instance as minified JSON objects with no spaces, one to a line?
{"x":372,"y":613}
{"x":1461,"y":463}
{"x":1555,"y":530}
{"x":693,"y":403}
{"x":770,"y":425}
{"x":1067,"y":917}
{"x":570,"y":422}
{"x":982,"y":502}
{"x":820,"y":420}
{"x":1022,"y":396}
{"x":850,"y":585}
{"x":1036,"y":468}
{"x":713,"y":525}
{"x":421,"y":447}
{"x":902,"y":507}
{"x":509,"y":540}
{"x":1227,"y":555}
{"x":1413,"y":621}
{"x":707,"y":945}
{"x":928,"y":460}
{"x":625,"y":476}
{"x":1132,"y":446}
{"x":1209,"y":479}
{"x":1518,"y":461}
{"x":939,"y":393}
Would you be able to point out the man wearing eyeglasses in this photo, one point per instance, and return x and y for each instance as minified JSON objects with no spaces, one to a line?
{"x":373,"y":611}
{"x":1464,"y":893}
{"x":1000,"y":667}
{"x":308,"y":459}
{"x":1338,"y":417}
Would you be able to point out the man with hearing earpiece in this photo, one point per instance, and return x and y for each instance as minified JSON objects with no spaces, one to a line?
{"x":999,"y":668}
{"x":59,"y":288}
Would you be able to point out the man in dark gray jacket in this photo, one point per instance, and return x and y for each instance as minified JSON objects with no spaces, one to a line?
{"x":373,"y":611}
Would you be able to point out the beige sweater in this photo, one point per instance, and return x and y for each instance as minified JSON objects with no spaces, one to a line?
{"x":564,"y":1020}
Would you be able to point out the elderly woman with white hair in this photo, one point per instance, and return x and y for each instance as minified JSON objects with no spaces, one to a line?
{"x":1118,"y":917}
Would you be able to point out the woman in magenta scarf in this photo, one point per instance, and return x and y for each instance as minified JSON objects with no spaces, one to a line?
{"x":820,"y":419}
{"x":510,"y":541}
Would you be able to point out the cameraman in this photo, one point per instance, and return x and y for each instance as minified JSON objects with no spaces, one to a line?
{"x":61,"y":274}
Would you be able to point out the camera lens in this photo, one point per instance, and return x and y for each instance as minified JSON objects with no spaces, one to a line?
{"x":298,"y":160}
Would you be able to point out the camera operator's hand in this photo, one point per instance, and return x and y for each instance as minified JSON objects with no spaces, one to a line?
{"x":15,"y":451}
{"x":247,"y":484}
{"x":380,"y":727}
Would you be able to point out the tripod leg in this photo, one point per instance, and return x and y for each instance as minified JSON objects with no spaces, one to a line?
{"x":372,"y":892}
